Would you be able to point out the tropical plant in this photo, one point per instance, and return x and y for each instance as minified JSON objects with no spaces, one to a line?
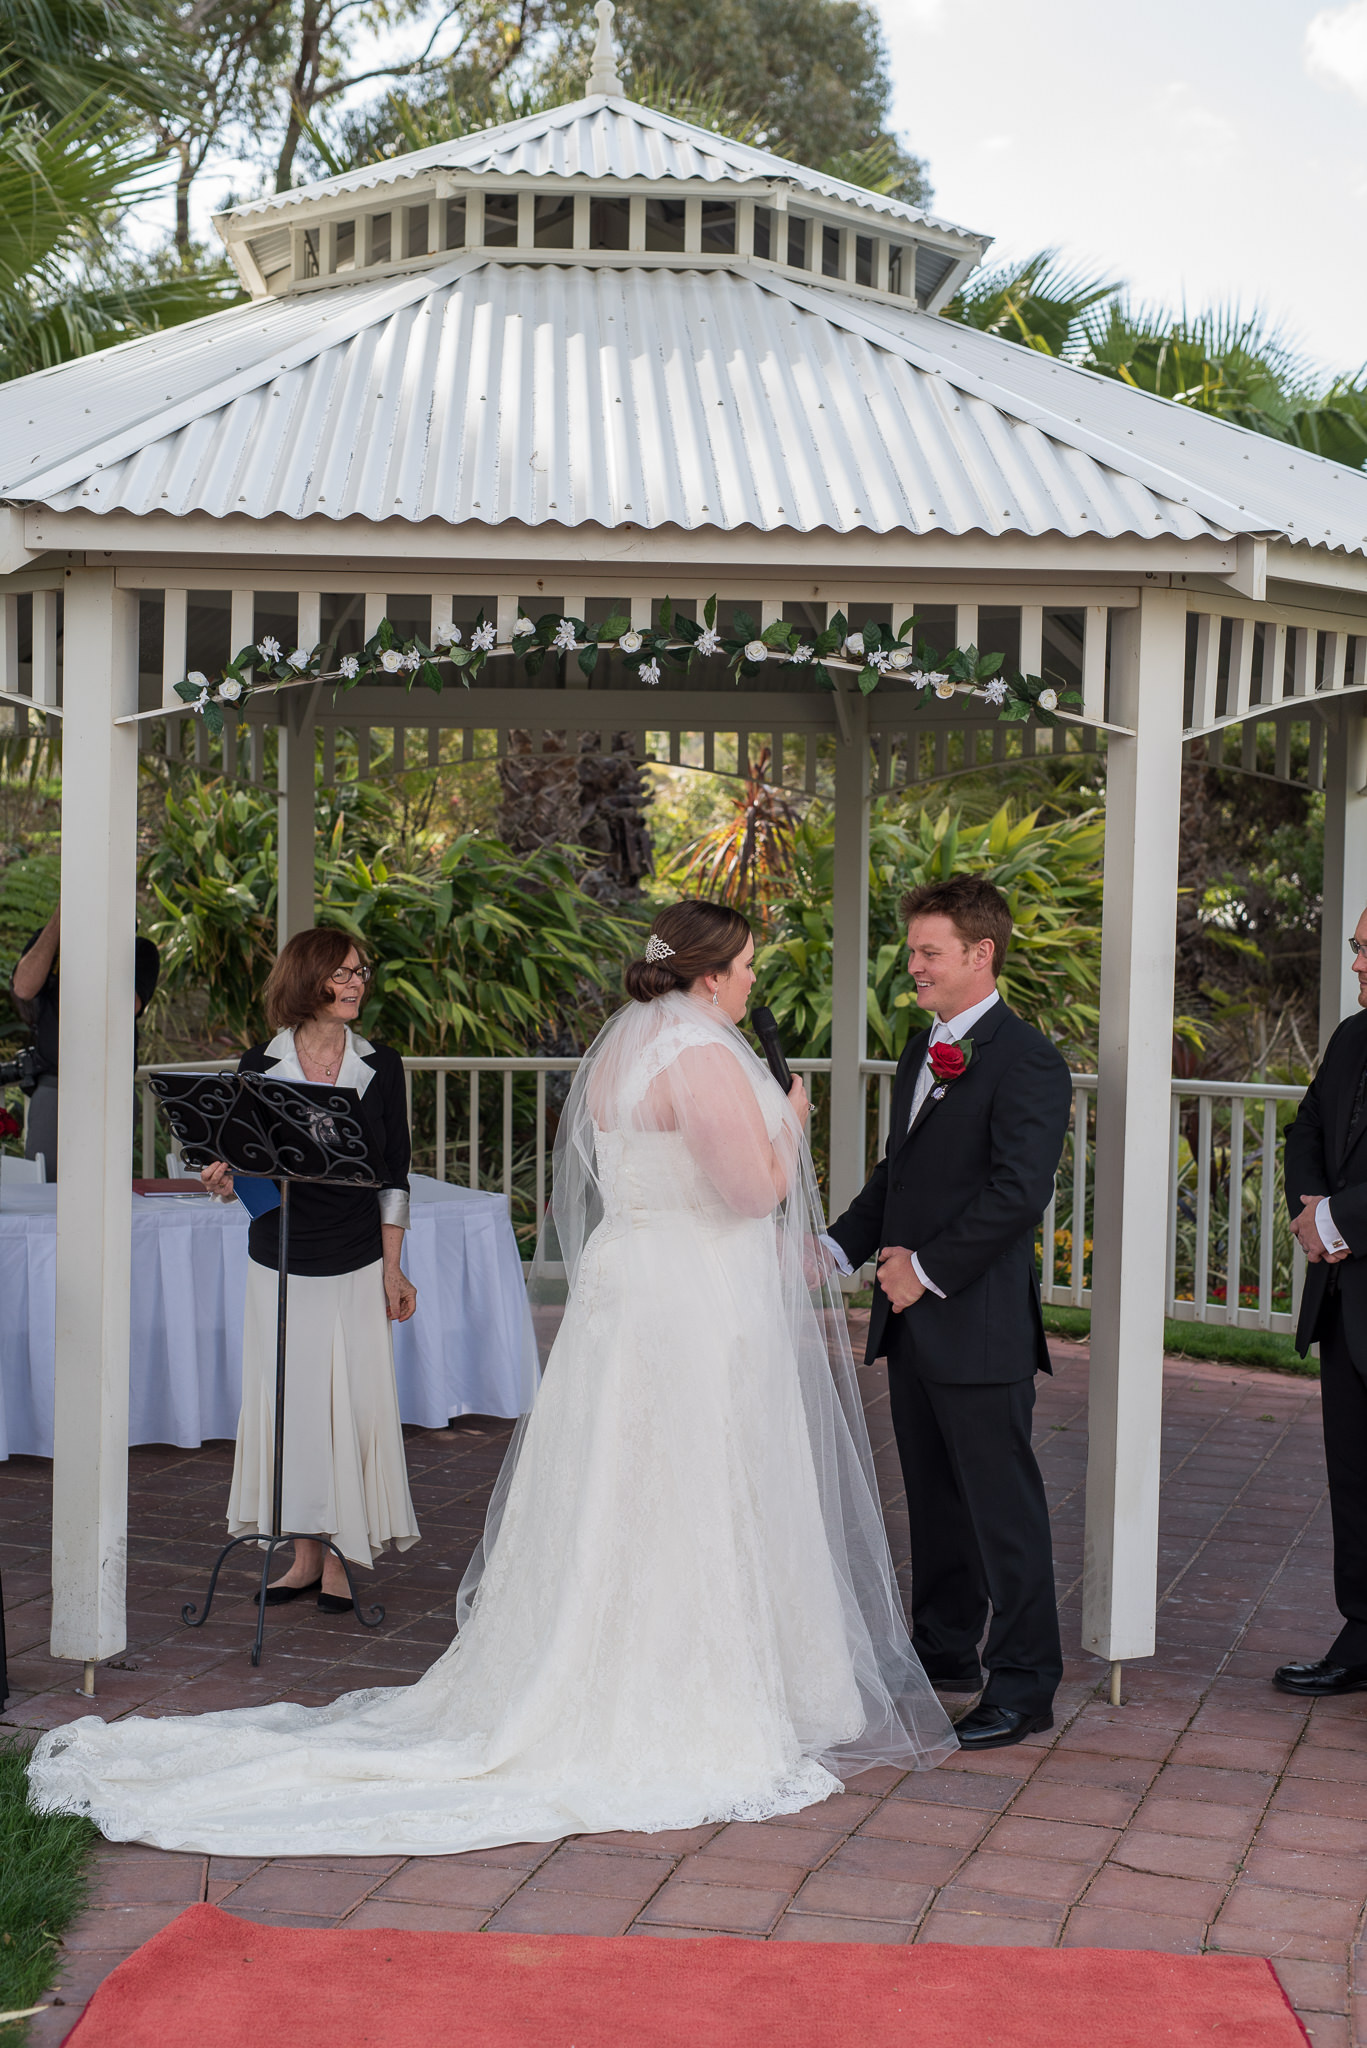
{"x":748,"y":859}
{"x":1049,"y":872}
{"x":475,"y":949}
{"x":63,"y":185}
{"x":1238,"y":366}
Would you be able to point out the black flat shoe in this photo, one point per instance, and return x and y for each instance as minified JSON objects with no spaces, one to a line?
{"x":336,"y":1603}
{"x":1320,"y":1681}
{"x":997,"y":1727}
{"x":280,"y":1596}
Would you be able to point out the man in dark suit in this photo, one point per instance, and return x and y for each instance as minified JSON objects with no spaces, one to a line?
{"x":980,"y":1109}
{"x":1326,"y":1191}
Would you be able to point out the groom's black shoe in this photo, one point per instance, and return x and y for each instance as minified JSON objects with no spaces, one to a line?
{"x":1320,"y":1681}
{"x":990,"y":1727}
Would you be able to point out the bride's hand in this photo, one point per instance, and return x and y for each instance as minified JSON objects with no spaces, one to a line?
{"x":797,"y":1101}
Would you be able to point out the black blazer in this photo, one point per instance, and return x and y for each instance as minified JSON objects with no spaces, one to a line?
{"x":965,"y":1189}
{"x":1321,"y":1159}
{"x":337,"y":1230}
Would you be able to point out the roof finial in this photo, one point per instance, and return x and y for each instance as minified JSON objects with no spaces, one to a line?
{"x":603,"y":77}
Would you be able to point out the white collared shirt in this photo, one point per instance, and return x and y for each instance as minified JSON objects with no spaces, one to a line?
{"x":941,"y":1033}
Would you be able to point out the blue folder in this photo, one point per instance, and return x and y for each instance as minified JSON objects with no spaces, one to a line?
{"x":258,"y":1197}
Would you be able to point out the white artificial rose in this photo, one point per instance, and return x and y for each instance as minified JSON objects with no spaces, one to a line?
{"x":1048,"y":700}
{"x":631,"y":643}
{"x":522,"y":627}
{"x":392,"y":660}
{"x":198,"y":678}
{"x":943,"y":687}
{"x":299,"y":658}
{"x":900,"y":657}
{"x":854,"y":645}
{"x":755,"y":650}
{"x":229,"y":691}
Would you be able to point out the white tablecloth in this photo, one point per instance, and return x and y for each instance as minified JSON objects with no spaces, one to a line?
{"x":469,"y":1350}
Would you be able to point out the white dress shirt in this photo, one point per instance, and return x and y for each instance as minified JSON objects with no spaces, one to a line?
{"x":941,"y":1033}
{"x":1327,"y":1228}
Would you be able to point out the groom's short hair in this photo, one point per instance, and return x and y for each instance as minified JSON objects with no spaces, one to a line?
{"x":974,"y":907}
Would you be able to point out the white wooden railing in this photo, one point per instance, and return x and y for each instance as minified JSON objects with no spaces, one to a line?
{"x":1225,"y":1160}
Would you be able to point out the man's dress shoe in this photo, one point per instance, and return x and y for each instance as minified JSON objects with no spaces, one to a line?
{"x":280,"y":1596}
{"x":997,"y":1727}
{"x":1320,"y":1681}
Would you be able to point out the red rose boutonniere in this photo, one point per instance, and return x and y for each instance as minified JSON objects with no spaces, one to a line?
{"x":948,"y":1059}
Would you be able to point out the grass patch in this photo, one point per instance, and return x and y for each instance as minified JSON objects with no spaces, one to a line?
{"x":1262,"y":1348}
{"x":42,"y":1888}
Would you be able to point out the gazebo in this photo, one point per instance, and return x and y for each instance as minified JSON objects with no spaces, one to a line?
{"x":577,"y":364}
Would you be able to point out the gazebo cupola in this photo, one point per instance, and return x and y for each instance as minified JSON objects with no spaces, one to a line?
{"x":602,"y":181}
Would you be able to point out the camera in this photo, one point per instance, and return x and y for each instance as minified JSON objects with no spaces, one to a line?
{"x":23,"y":1071}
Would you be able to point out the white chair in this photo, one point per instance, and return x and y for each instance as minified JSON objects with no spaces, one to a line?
{"x":18,"y":1173}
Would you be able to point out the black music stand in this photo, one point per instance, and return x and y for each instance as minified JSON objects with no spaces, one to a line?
{"x":291,"y":1132}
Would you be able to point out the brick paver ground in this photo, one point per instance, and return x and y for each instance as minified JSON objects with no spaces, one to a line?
{"x":1207,"y":1812}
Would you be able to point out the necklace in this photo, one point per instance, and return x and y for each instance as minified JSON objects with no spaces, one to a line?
{"x":321,"y":1065}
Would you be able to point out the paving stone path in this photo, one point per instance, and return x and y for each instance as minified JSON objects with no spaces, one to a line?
{"x":1207,"y":1812}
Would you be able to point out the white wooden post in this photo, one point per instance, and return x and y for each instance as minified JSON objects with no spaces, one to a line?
{"x":294,"y":777}
{"x":95,"y":1121}
{"x":1345,"y":859}
{"x":1138,"y":952}
{"x":294,"y":786}
{"x":850,"y":957}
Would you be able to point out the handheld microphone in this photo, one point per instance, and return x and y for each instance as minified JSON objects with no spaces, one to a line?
{"x":766,"y":1030}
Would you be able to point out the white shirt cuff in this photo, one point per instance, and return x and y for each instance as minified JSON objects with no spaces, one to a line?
{"x":842,"y":1264}
{"x":1328,"y":1230}
{"x":925,"y":1279}
{"x":394,"y":1206}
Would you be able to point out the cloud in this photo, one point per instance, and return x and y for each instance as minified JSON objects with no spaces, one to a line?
{"x":1335,"y":48}
{"x":1202,"y":139}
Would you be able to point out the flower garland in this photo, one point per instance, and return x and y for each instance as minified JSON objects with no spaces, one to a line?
{"x":874,"y":652}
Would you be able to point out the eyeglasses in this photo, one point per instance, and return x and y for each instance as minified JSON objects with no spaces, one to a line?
{"x":346,"y":974}
{"x":1356,"y":946}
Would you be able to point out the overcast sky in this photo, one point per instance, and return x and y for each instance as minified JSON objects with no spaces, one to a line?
{"x":1206,"y":150}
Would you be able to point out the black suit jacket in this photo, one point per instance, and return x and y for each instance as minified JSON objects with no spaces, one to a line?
{"x":1321,"y":1159}
{"x":964,"y":1189}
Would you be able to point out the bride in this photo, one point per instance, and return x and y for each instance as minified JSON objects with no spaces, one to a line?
{"x":683,"y":1609}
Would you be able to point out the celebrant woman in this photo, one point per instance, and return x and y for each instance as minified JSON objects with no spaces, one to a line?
{"x":345,"y":1475}
{"x":683,"y":1609}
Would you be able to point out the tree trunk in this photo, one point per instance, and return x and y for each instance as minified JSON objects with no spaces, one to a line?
{"x":559,"y":790}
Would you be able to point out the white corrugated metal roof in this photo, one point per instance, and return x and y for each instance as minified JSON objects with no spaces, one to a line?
{"x":599,"y":138}
{"x":1281,"y":489}
{"x":491,"y":391}
{"x":566,"y":394}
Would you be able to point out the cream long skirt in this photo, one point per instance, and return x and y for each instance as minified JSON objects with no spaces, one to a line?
{"x":345,"y":1475}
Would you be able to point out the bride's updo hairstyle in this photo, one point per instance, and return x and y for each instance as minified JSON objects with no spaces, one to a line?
{"x":703,"y":938}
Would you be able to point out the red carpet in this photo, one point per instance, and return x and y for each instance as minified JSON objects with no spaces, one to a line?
{"x":212,"y":1981}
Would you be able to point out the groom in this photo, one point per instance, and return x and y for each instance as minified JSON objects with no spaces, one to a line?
{"x":980,"y":1108}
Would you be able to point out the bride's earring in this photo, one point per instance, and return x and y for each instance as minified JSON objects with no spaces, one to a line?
{"x":714,"y":999}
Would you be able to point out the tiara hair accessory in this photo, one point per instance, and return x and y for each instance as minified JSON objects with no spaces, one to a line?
{"x":656,"y":949}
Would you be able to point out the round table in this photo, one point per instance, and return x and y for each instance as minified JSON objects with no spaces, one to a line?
{"x":469,"y":1350}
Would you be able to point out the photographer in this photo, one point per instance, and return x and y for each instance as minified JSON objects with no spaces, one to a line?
{"x":34,"y":988}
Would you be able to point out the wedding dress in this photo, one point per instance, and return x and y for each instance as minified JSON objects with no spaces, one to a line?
{"x":683,"y":1609}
